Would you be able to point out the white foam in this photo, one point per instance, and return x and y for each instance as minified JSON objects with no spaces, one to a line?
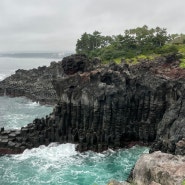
{"x":53,"y":152}
{"x":61,"y":164}
{"x":33,"y":104}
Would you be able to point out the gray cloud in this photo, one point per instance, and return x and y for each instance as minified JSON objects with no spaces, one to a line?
{"x":55,"y":25}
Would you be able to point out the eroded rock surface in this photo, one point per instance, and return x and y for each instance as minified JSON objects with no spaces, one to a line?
{"x":159,"y":168}
{"x":102,"y":106}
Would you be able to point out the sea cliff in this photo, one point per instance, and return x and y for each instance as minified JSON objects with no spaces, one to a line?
{"x":102,"y":106}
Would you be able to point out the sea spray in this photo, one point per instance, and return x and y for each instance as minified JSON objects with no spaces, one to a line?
{"x":61,"y":164}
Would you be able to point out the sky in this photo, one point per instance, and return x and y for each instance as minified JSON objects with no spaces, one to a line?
{"x":55,"y":25}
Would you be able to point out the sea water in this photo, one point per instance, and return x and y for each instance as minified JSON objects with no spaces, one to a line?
{"x":55,"y":164}
{"x":17,"y":112}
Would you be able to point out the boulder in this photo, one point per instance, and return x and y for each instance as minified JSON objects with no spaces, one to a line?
{"x":75,"y":63}
{"x":159,"y":168}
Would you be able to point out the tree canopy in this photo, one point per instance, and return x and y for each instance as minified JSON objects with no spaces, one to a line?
{"x":132,"y":42}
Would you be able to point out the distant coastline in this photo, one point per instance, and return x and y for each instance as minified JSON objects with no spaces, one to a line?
{"x":51,"y":55}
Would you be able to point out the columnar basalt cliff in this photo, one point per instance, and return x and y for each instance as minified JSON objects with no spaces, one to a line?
{"x":103,"y":106}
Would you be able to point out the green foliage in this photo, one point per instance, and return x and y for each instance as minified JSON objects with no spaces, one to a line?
{"x":137,"y":59}
{"x":183,"y":182}
{"x":182,"y":63}
{"x":166,"y":49}
{"x":132,"y":61}
{"x":90,"y":43}
{"x":134,"y":44}
{"x":181,"y":52}
{"x":118,"y":60}
{"x":181,"y":49}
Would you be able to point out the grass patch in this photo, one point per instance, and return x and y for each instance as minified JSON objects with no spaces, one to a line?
{"x":183,"y":182}
{"x":182,"y":63}
{"x":140,"y":58}
{"x":181,"y":48}
{"x":133,"y":60}
{"x":118,"y":60}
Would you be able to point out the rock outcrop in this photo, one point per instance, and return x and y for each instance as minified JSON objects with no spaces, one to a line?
{"x":35,"y":84}
{"x":159,"y":168}
{"x":102,"y":106}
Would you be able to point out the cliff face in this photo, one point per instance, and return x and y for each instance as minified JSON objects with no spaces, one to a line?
{"x":110,"y":106}
{"x":35,"y":84}
{"x":113,"y":105}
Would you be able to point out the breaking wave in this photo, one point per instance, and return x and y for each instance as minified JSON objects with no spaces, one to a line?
{"x":61,"y":164}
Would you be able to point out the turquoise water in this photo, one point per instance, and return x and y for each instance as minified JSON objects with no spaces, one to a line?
{"x":17,"y":112}
{"x":58,"y":164}
{"x":63,"y":165}
{"x":55,"y":164}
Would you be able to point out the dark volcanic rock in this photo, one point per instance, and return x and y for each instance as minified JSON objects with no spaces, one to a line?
{"x":110,"y":106}
{"x":74,"y":64}
{"x":35,"y":84}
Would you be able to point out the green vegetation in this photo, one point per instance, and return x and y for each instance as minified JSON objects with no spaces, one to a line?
{"x":133,"y":42}
{"x":133,"y":45}
{"x":181,"y":52}
{"x":183,"y":182}
{"x":182,"y":63}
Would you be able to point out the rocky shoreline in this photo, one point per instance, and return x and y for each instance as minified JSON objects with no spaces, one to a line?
{"x":102,"y":106}
{"x":35,"y":84}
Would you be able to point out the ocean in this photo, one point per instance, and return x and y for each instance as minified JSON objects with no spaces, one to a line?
{"x":55,"y":164}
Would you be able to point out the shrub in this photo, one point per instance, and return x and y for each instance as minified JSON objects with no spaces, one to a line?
{"x":167,"y":49}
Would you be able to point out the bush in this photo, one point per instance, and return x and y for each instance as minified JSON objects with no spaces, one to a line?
{"x":166,"y":49}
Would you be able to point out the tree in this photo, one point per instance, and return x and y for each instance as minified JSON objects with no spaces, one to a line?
{"x":161,"y":37}
{"x":83,"y":44}
{"x":140,"y":40}
{"x":90,"y":42}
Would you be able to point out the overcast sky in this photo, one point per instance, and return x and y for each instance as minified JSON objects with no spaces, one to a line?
{"x":55,"y":25}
